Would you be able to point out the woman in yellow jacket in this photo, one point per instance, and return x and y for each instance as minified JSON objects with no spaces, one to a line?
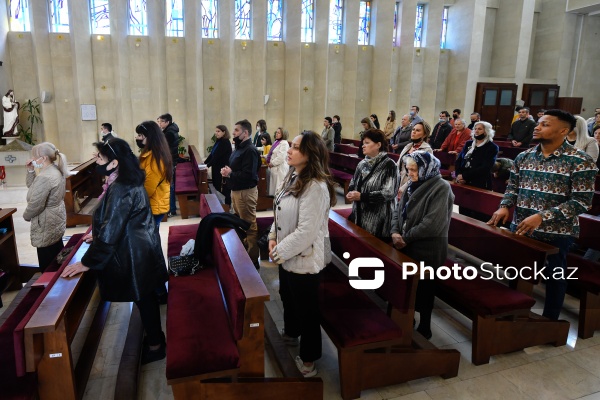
{"x":157,"y":162}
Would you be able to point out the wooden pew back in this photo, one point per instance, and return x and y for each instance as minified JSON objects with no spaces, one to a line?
{"x":480,"y":200}
{"x":83,"y":186}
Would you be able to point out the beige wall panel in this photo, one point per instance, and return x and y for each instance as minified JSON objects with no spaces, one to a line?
{"x":307,"y":115}
{"x":212,"y":110}
{"x":275,"y":85}
{"x":587,"y":84}
{"x":140,"y":80}
{"x":104,"y":84}
{"x":364,"y":95}
{"x":176,"y":87}
{"x":242,"y":83}
{"x":25,"y":81}
{"x":488,"y":41}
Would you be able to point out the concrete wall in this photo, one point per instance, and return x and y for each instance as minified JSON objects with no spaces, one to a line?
{"x":205,"y":82}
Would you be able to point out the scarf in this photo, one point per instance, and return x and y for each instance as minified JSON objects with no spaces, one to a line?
{"x":429,"y":167}
{"x":271,"y":151}
{"x":371,"y":162}
{"x":111,"y":178}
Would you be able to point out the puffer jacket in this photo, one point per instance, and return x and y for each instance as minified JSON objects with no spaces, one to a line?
{"x":157,"y":187}
{"x":301,"y":230}
{"x":172,"y":135}
{"x":126,"y":249}
{"x":46,"y":206}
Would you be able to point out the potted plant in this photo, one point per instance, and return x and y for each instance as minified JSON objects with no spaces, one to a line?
{"x":180,"y":147}
{"x":32,"y":111}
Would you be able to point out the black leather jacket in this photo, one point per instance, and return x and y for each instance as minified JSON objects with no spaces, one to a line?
{"x":126,"y":250}
{"x":172,"y":135}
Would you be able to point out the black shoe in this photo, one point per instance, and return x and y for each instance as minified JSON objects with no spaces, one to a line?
{"x":163,"y":297}
{"x":149,"y":356}
{"x":427,"y":334}
{"x":171,"y":214}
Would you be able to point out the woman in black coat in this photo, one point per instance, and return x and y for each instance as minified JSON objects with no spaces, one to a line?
{"x":218,"y":158}
{"x":475,"y":161}
{"x":125,"y":248}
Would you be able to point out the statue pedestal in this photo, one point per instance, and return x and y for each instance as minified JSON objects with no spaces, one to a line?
{"x":9,"y":139}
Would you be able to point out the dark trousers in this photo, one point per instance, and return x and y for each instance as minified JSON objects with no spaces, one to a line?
{"x":555,"y":286}
{"x":150,"y":315}
{"x":49,"y":253}
{"x":173,"y":205}
{"x":301,"y":315}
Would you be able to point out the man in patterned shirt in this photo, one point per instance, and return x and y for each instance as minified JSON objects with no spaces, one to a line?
{"x":550,"y":185}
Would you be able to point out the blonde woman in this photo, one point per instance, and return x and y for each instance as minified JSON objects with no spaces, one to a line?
{"x":46,"y":201}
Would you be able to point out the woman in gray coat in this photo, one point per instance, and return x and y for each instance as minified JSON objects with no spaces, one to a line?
{"x":420,"y":225}
{"x":46,"y":201}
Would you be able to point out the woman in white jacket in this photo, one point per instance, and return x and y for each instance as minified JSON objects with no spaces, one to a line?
{"x":277,"y":160}
{"x":299,"y":243}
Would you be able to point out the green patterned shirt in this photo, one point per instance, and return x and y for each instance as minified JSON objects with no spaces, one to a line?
{"x":559,"y":188}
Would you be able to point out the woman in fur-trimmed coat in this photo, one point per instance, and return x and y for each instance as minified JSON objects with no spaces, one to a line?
{"x":374,"y":186}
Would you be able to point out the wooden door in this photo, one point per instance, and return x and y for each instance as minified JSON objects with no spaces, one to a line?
{"x":495,"y":103}
{"x":537,"y":97}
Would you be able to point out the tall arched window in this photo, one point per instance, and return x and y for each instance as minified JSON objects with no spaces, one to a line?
{"x":175,"y":18}
{"x":274,"y":20}
{"x":444,"y":27}
{"x":59,"y":16}
{"x":308,"y":21}
{"x":419,"y":25}
{"x":18,"y":15}
{"x":364,"y":23}
{"x":210,"y":26}
{"x":100,"y":17}
{"x":336,"y":14}
{"x":138,"y":18}
{"x":243,"y":20}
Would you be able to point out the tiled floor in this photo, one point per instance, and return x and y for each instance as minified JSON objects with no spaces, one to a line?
{"x":541,"y":372}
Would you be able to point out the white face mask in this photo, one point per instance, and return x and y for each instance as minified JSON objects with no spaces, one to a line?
{"x":258,"y":128}
{"x":36,"y":164}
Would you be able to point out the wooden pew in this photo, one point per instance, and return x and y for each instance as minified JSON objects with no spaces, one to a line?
{"x":353,"y":142}
{"x":53,"y":323}
{"x":346,"y":148}
{"x":190,"y":183}
{"x":375,"y":348}
{"x":83,"y":187}
{"x":588,"y":276}
{"x":477,"y":199}
{"x":264,"y":202}
{"x":14,"y":274}
{"x":227,"y":360}
{"x":448,"y":162}
{"x":342,"y":167}
{"x":502,"y":318}
{"x":509,"y":151}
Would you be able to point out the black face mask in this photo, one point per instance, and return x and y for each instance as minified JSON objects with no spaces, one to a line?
{"x":237,"y":141}
{"x":140,"y":143}
{"x":455,"y":115}
{"x":415,"y":141}
{"x":480,"y":137}
{"x":101,"y":169}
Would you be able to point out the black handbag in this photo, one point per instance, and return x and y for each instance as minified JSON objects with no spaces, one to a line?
{"x":184,"y":265}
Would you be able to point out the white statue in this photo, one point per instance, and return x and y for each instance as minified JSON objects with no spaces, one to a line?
{"x":11,"y":115}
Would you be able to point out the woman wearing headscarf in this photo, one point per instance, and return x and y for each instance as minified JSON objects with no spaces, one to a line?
{"x":420,"y":225}
{"x":374,"y":186}
{"x":277,"y":160}
{"x":476,"y":160}
{"x":125,"y":248}
{"x":46,"y":201}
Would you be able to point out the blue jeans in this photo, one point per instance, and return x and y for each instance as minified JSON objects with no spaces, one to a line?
{"x":556,"y":288}
{"x":157,"y":219}
{"x":173,"y":205}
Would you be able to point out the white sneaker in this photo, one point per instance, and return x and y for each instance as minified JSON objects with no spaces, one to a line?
{"x":307,"y":372}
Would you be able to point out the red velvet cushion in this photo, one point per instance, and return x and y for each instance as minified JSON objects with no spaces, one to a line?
{"x":485,"y":297}
{"x":183,"y":167}
{"x":185,"y":185}
{"x":178,"y":236}
{"x":349,"y":316}
{"x":206,"y":344}
{"x":339,"y":174}
{"x":587,"y":274}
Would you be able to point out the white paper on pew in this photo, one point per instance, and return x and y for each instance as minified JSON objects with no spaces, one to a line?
{"x":202,"y":166}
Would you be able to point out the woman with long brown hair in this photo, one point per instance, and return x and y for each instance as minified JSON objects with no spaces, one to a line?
{"x":297,"y":242}
{"x":218,"y":158}
{"x":157,"y":161}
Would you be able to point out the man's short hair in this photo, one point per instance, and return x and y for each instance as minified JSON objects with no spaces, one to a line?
{"x":564,"y":116}
{"x":329,"y":120}
{"x":417,"y":107}
{"x":337,"y":117}
{"x":245,"y":124}
{"x":476,"y":114}
{"x":107,"y":126}
{"x":518,"y":108}
{"x":167,"y":117}
{"x":456,"y":110}
{"x":446,"y":113}
{"x":542,"y":110}
{"x":525,"y":108}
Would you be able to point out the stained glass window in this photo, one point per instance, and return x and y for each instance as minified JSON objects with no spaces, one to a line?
{"x":308,"y":21}
{"x":444,"y":27}
{"x":100,"y":17}
{"x":336,"y":11}
{"x":210,"y":28}
{"x":364,"y":23}
{"x":274,"y":20}
{"x":175,"y":18}
{"x":242,"y":19}
{"x":396,"y":40}
{"x":59,"y":16}
{"x":138,"y":18}
{"x":419,"y":25}
{"x":18,"y":15}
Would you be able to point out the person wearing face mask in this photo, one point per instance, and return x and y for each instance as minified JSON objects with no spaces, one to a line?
{"x":106,"y":132}
{"x":441,"y":130}
{"x":476,"y":160}
{"x":156,"y":160}
{"x":261,"y":127}
{"x":475,"y":117}
{"x":46,"y":201}
{"x":414,"y":115}
{"x":171,"y":131}
{"x":455,"y":115}
{"x":242,"y":179}
{"x":125,"y":249}
{"x":419,"y":135}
